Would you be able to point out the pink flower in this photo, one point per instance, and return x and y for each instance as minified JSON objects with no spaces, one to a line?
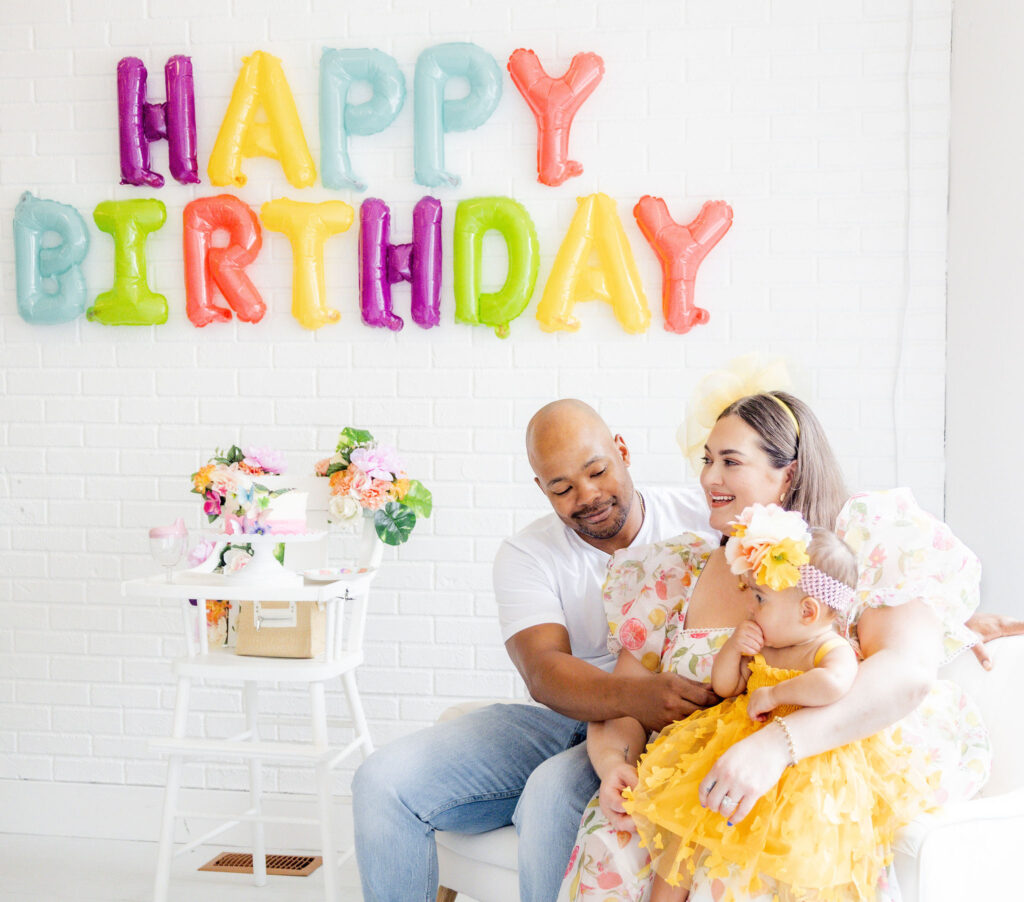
{"x":352,"y":481}
{"x":235,"y":559}
{"x":267,"y":459}
{"x":201,"y":552}
{"x":212,"y":505}
{"x":320,"y":467}
{"x":381,"y":462}
{"x":225,"y":479}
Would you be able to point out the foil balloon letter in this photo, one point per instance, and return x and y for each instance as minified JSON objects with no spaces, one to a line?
{"x":433,"y":115}
{"x":382,"y":264}
{"x":595,"y":230}
{"x":681,"y":249}
{"x":223,"y":268}
{"x":339,"y":118}
{"x":49,"y":279}
{"x":130,"y":302}
{"x":261,"y":120}
{"x":141,"y":123}
{"x":554,"y":102}
{"x":308,"y":226}
{"x":473,"y":218}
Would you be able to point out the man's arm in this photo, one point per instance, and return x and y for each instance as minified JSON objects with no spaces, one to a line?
{"x":573,"y":687}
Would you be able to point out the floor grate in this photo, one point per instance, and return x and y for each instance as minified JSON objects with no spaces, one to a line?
{"x":278,"y":865}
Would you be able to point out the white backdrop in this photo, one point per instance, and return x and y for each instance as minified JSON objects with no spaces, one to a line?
{"x":825,"y":126}
{"x":984,"y":431}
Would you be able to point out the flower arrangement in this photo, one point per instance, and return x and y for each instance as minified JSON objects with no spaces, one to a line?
{"x":368,"y":478}
{"x":769,"y":542}
{"x":230,"y":488}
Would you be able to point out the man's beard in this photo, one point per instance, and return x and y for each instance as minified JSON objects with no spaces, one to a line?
{"x":607,"y":529}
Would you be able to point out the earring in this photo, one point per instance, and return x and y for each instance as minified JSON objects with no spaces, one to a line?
{"x":782,"y":497}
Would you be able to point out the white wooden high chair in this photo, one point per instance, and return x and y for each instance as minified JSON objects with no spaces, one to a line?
{"x":967,"y":851}
{"x":345,"y":600}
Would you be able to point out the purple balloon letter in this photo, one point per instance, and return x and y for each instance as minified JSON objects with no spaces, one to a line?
{"x":382,"y":264}
{"x":143,"y":122}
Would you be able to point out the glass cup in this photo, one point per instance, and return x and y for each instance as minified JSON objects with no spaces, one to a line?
{"x":167,"y":550}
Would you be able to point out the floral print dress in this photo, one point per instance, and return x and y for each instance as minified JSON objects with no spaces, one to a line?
{"x":903,"y":553}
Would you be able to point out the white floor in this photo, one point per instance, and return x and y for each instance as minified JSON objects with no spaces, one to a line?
{"x":60,"y":869}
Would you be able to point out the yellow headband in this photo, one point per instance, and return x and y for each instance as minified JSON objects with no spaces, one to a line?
{"x":789,"y":411}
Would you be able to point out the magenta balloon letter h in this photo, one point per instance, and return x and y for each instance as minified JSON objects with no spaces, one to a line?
{"x":382,"y":264}
{"x":142,"y":122}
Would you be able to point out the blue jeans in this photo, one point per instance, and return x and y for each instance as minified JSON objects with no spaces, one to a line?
{"x":503,"y":764}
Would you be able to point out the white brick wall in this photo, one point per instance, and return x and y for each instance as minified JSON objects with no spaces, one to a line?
{"x":794,"y":113}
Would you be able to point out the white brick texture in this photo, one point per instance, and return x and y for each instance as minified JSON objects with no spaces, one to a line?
{"x":794,"y":113}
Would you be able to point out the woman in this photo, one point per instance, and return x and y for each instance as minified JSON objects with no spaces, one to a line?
{"x":673,"y":605}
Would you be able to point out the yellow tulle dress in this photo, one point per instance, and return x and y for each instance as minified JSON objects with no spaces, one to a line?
{"x":825,"y":830}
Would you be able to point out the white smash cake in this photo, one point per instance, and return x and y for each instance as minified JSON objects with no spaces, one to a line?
{"x":244,"y":493}
{"x":266,"y":505}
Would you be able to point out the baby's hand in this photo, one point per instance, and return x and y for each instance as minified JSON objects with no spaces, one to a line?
{"x":760,"y":704}
{"x":747,"y":638}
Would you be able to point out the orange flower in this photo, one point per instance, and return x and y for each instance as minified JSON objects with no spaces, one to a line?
{"x":400,"y":488}
{"x":337,"y":478}
{"x":216,"y":611}
{"x":201,"y":479}
{"x":376,"y":495}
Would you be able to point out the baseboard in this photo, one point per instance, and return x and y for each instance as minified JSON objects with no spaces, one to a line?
{"x":103,"y":811}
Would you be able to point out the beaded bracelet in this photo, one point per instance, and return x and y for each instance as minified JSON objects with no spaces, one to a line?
{"x":789,"y":741}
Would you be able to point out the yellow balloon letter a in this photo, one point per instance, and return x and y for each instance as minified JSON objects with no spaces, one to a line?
{"x":261,"y":120}
{"x":595,"y":230}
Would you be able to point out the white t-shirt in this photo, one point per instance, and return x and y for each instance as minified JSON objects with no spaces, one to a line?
{"x":547,"y":574}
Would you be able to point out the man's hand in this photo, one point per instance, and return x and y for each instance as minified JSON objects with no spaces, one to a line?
{"x":989,"y":627}
{"x":747,"y":638}
{"x":610,"y":795}
{"x":663,"y":698}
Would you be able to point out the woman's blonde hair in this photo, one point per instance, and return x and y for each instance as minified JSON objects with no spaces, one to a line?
{"x":789,"y":431}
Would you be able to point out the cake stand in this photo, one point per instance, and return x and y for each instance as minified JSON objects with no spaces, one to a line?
{"x":264,"y":568}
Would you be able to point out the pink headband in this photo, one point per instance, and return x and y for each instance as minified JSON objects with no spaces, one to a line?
{"x":827,"y":590}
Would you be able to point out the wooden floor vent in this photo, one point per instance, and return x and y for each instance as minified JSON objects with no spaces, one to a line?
{"x":278,"y":865}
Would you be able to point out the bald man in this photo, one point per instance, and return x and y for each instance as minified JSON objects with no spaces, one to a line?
{"x":526,"y":764}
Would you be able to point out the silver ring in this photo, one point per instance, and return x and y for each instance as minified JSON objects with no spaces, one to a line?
{"x":726,"y":801}
{"x":706,"y":789}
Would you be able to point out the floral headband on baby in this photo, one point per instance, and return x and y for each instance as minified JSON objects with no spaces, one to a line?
{"x":771,"y":544}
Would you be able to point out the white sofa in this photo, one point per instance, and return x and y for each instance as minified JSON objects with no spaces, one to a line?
{"x":968,"y":851}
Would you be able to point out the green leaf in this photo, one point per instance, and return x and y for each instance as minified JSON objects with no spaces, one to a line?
{"x":271,"y":493}
{"x":279,"y":553}
{"x":335,"y":467}
{"x":418,"y":499}
{"x":352,"y":438}
{"x":394,"y":523}
{"x":233,"y":455}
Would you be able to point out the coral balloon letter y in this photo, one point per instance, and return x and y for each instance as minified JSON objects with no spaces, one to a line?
{"x":681,"y":249}
{"x":555,"y":101}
